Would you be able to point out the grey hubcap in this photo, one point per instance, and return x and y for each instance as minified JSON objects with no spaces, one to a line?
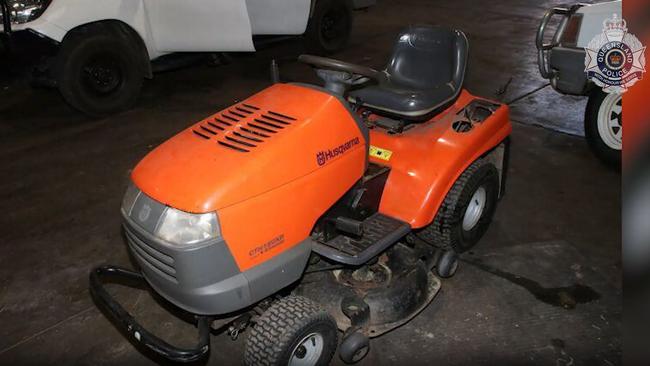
{"x":475,"y":209}
{"x":610,"y":124}
{"x":308,"y":351}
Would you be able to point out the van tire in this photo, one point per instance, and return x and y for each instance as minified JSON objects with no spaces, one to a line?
{"x":99,"y":70}
{"x":329,"y":27}
{"x":603,"y":126}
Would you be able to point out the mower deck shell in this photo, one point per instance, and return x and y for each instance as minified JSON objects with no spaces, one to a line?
{"x":404,"y":286}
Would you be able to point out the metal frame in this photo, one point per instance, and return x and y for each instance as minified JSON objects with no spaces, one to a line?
{"x":543,"y":48}
{"x":134,"y":329}
{"x":6,"y":17}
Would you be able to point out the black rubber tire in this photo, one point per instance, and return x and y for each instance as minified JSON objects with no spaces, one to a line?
{"x":446,"y":231}
{"x":606,"y":154}
{"x":316,"y":41}
{"x":447,"y":264}
{"x":281,"y":327}
{"x":354,"y":348}
{"x":103,"y":44}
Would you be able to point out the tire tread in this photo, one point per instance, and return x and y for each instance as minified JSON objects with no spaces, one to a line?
{"x":275,"y":330}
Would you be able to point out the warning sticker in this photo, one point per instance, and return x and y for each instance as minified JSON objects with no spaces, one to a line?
{"x":379,"y":153}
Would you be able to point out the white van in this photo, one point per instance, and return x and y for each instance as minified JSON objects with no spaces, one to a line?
{"x":105,"y":47}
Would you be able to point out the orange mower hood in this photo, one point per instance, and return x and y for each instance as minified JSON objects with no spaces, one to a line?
{"x":270,"y":139}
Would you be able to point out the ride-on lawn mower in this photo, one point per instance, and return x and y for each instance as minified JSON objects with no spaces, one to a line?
{"x":304,"y":209}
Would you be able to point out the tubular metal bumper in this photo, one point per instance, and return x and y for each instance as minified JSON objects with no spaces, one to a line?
{"x":6,"y":17}
{"x":135,"y":330}
{"x":543,"y":48}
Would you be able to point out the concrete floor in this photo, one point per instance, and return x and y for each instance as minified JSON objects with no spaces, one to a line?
{"x":558,"y":226}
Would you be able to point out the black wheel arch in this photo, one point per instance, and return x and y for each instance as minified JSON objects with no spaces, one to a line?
{"x":313,"y":6}
{"x":120,"y":30}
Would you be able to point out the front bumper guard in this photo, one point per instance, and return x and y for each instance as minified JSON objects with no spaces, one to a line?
{"x":133,"y":328}
{"x":6,"y":17}
{"x":543,"y":48}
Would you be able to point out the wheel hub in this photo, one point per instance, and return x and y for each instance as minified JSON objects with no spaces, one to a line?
{"x":102,"y":75}
{"x":308,"y":350}
{"x":610,"y":121}
{"x":475,"y":209}
{"x":333,"y":25}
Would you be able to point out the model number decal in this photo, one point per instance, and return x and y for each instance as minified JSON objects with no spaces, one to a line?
{"x":323,"y":156}
{"x":267,"y":246}
{"x":379,"y":153}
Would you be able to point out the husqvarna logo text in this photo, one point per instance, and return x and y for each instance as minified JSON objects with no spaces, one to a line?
{"x":323,"y":156}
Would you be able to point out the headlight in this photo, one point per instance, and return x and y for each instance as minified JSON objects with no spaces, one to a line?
{"x":182,"y":228}
{"x":23,"y":11}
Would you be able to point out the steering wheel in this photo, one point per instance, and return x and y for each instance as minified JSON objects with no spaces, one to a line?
{"x":339,"y":75}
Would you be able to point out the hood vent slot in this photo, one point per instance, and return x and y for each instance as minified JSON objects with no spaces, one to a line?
{"x":200,"y":134}
{"x":250,"y":107}
{"x":243,"y":127}
{"x":232,"y":146}
{"x":208,"y":130}
{"x":236,"y":114}
{"x":244,"y":110}
{"x":281,"y":116}
{"x":270,"y":124}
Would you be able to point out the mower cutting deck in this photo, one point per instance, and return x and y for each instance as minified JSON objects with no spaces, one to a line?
{"x":304,"y":210}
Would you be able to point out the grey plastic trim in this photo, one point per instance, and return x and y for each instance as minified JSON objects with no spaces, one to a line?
{"x":146,"y":212}
{"x":278,"y":272}
{"x":206,"y":280}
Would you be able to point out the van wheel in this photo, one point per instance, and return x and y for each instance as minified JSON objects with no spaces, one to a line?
{"x":329,"y":27}
{"x":467,"y":210}
{"x":604,"y":126}
{"x":294,"y":331}
{"x":98,"y":72}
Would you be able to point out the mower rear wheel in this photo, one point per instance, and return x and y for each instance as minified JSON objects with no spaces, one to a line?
{"x":294,"y":331}
{"x":467,"y":210}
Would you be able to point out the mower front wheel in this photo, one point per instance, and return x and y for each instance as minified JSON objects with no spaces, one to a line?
{"x":294,"y":331}
{"x":447,"y":264}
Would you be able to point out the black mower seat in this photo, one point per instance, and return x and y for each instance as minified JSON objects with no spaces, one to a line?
{"x":425,"y":73}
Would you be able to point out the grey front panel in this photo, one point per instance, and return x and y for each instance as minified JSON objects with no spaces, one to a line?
{"x":204,"y":279}
{"x":278,"y":272}
{"x":569,"y":67}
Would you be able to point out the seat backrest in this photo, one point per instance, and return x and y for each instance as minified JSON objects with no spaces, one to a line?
{"x":425,"y":57}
